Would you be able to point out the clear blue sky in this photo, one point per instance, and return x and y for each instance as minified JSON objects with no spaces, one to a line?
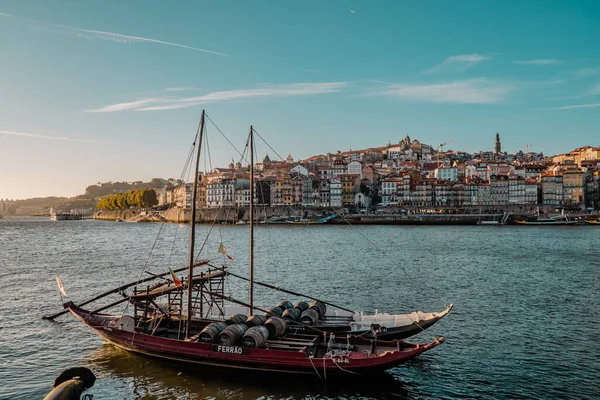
{"x":110,"y":91}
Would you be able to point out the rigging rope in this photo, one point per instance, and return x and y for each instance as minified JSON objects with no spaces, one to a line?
{"x":297,"y":213}
{"x":268,"y":145}
{"x":222,"y":134}
{"x":145,"y":264}
{"x":187,"y":166}
{"x":310,"y":358}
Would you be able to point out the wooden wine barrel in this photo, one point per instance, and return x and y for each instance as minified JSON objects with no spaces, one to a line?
{"x":310,"y":316}
{"x":211,"y":331}
{"x":276,"y":310}
{"x":255,"y":320}
{"x":285,"y":305}
{"x":302,"y":306}
{"x":320,"y":307}
{"x":292,"y":313}
{"x":236,"y":319}
{"x":276,"y":326}
{"x":232,"y":335}
{"x":255,"y":337}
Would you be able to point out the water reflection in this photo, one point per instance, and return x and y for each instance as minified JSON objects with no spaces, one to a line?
{"x":127,"y":375}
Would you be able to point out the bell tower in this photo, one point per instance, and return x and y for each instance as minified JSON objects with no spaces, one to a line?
{"x":498,"y":145}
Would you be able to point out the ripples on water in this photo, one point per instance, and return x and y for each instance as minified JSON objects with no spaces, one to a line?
{"x":525,"y":323}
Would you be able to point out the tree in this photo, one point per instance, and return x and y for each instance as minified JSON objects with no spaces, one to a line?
{"x":140,"y":198}
{"x":112,"y":203}
{"x":122,"y":202}
{"x":149,"y":197}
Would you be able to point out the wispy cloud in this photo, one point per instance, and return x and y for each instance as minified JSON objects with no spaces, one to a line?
{"x":132,"y":105}
{"x":38,"y":136}
{"x":379,"y":81}
{"x":595,"y":90}
{"x":471,"y":91}
{"x":585,"y":72}
{"x":110,"y":36}
{"x":457,"y":63}
{"x":172,"y":103}
{"x":180,"y":89}
{"x":593,"y":105}
{"x":545,"y":61}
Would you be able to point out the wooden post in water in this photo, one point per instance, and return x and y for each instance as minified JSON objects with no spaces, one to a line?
{"x":193,"y":229}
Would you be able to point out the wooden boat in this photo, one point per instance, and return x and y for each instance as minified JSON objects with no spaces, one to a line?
{"x":560,"y":219}
{"x":389,"y":326}
{"x":311,"y":221}
{"x":166,"y":324}
{"x":66,"y":217}
{"x":342,"y":320}
{"x":554,"y":220}
{"x":290,"y":353}
{"x":488,"y":223}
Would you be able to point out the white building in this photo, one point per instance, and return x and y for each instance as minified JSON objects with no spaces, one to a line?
{"x":355,"y":168}
{"x":242,"y":197}
{"x":325,"y":172}
{"x":447,"y":173}
{"x":324,"y":193}
{"x":484,"y":195}
{"x":531,"y":192}
{"x":222,"y":192}
{"x":389,"y":190}
{"x":182,"y":195}
{"x":479,"y":169}
{"x":339,"y":167}
{"x":516,"y":189}
{"x":335,"y":192}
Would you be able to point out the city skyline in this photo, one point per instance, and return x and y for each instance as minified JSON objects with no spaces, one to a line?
{"x":106,"y":92}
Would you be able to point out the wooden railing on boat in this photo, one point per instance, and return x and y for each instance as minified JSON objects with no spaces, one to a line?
{"x":113,"y":291}
{"x":160,"y":291}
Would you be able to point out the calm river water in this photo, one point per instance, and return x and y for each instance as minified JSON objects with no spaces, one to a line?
{"x":526,"y":320}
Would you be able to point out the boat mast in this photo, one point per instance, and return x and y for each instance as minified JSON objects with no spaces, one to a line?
{"x":251,"y":216}
{"x":193,"y":228}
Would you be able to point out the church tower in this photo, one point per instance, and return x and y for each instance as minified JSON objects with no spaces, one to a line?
{"x":498,"y":145}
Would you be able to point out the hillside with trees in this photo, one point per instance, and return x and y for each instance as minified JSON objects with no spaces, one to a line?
{"x":42,"y":204}
{"x":107,"y":188}
{"x":88,"y":200}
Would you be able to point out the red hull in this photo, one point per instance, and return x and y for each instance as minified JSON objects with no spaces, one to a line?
{"x":249,"y":358}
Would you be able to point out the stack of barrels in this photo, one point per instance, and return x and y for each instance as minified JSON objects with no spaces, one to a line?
{"x":296,"y":312}
{"x":253,"y":332}
{"x":235,"y":330}
{"x":301,"y":311}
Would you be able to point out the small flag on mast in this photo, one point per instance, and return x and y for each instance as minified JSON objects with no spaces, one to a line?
{"x":176,"y":281}
{"x":61,"y":288}
{"x":223,"y":250}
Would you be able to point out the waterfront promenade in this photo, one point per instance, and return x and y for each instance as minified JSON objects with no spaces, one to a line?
{"x":387,"y":216}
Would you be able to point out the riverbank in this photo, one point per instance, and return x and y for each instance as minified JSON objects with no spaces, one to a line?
{"x":240,"y":216}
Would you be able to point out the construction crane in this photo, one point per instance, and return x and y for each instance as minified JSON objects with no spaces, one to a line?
{"x":526,"y":147}
{"x":441,"y":149}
